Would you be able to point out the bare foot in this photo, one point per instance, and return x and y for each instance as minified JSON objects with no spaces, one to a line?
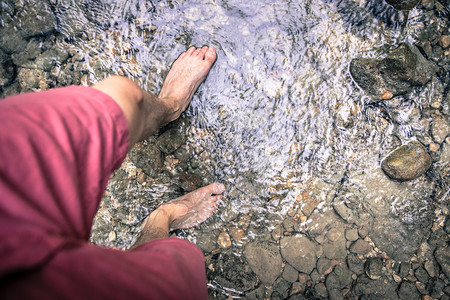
{"x":185,"y":76}
{"x":193,"y":208}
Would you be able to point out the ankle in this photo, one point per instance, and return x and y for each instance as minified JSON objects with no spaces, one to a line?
{"x":172,"y":109}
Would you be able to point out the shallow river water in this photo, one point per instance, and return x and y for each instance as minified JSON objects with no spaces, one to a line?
{"x":279,"y":120}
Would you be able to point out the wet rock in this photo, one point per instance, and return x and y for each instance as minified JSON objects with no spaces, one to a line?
{"x":148,"y":157}
{"x":281,"y":286}
{"x":421,"y":274}
{"x":255,"y":294}
{"x":444,"y":41}
{"x":206,"y":241}
{"x":321,"y":290}
{"x":351,"y":234}
{"x":442,"y":255}
{"x":170,"y":140}
{"x":71,"y":19}
{"x":335,"y":250}
{"x":231,"y":272}
{"x":289,"y":273}
{"x":407,"y":162}
{"x":430,"y":268}
{"x":324,"y":266}
{"x":224,"y":240}
{"x":11,"y":40}
{"x":30,"y":79}
{"x":265,"y":260}
{"x":183,"y":153}
{"x":404,"y":269}
{"x":36,"y":18}
{"x":403,"y":4}
{"x":6,"y":69}
{"x":355,"y":264}
{"x":26,"y":58}
{"x":435,"y":287}
{"x":340,"y":278}
{"x":299,"y":252}
{"x":440,"y":128}
{"x":378,"y":289}
{"x":361,"y":247}
{"x":320,"y":220}
{"x":408,"y":291}
{"x":335,"y":294}
{"x":373,"y":267}
{"x":396,"y":74}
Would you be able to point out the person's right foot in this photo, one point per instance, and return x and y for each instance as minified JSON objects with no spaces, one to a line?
{"x":185,"y":76}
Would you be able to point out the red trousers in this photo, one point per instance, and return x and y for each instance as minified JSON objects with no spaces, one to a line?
{"x":57,"y":151}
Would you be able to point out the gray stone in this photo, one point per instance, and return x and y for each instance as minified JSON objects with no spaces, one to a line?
{"x":36,"y":18}
{"x":351,"y":234}
{"x":421,"y":274}
{"x":170,"y":140}
{"x":10,"y":39}
{"x":71,"y":19}
{"x":360,"y":247}
{"x":290,"y":273}
{"x":442,"y":255}
{"x":335,"y":294}
{"x":435,"y":287}
{"x":29,"y":79}
{"x":321,"y":290}
{"x":404,"y":269}
{"x":281,"y":286}
{"x":299,"y":252}
{"x":396,"y":74}
{"x":320,"y":220}
{"x":408,"y":291}
{"x":373,"y":267}
{"x":323,"y":265}
{"x":378,"y":289}
{"x":265,"y":260}
{"x":341,"y":276}
{"x":403,"y":4}
{"x":256,"y":294}
{"x":407,"y":162}
{"x":183,"y":153}
{"x":335,"y":234}
{"x":440,"y":128}
{"x":231,"y":272}
{"x":355,"y":264}
{"x":148,"y":157}
{"x":335,"y":250}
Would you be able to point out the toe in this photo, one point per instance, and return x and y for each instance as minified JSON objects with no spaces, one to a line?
{"x":216,"y":188}
{"x":203,"y":52}
{"x":210,"y":55}
{"x":190,"y":51}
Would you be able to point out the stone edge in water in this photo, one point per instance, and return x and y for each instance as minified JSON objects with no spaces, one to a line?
{"x":396,"y":164}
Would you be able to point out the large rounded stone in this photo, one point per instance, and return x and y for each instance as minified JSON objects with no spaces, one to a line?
{"x":401,"y":70}
{"x":407,"y":162}
{"x":299,"y":252}
{"x":265,"y":260}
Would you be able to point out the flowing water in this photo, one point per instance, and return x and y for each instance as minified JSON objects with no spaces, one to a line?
{"x":278,"y":118}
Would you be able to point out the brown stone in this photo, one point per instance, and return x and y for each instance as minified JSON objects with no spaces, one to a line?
{"x":444,"y":41}
{"x":361,"y":247}
{"x":224,"y":240}
{"x":386,"y":95}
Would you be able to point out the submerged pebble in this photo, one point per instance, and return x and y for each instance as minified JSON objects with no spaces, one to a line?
{"x":407,"y":162}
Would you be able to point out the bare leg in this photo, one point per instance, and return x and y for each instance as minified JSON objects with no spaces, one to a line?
{"x":146,"y":112}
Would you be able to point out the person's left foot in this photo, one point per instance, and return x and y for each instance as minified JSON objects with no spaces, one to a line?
{"x":193,"y":208}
